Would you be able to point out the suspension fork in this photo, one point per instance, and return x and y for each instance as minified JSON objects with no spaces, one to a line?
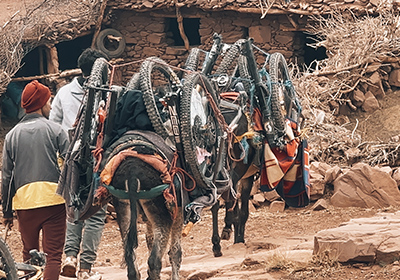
{"x":214,"y":52}
{"x":261,"y":91}
{"x":171,"y":99}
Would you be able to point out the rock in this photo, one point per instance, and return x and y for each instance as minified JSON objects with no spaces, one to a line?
{"x":252,"y":208}
{"x":357,"y":97}
{"x":375,"y":239}
{"x":277,"y":206}
{"x":271,"y":195}
{"x":319,"y":167}
{"x":259,"y":198}
{"x":370,"y":104}
{"x":365,"y":186}
{"x":394,"y":78}
{"x":317,"y":188}
{"x":260,"y":33}
{"x":332,"y":173}
{"x":321,"y":204}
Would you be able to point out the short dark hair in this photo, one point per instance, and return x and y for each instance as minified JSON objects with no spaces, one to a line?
{"x":87,"y":59}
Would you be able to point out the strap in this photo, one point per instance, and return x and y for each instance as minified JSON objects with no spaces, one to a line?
{"x":156,"y":191}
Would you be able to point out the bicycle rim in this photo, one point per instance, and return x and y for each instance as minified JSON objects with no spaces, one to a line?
{"x":8,"y":269}
{"x":156,"y":79}
{"x":200,"y":129}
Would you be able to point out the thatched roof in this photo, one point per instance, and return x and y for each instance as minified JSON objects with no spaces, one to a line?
{"x":305,"y":7}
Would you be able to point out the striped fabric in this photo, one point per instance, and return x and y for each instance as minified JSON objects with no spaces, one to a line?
{"x":287,"y":171}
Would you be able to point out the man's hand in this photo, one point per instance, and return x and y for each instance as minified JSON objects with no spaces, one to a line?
{"x":8,"y":222}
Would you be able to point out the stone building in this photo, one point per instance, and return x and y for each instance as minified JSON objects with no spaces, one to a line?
{"x":151,"y":28}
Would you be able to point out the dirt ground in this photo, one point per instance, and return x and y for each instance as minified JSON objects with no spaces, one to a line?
{"x":265,"y":231}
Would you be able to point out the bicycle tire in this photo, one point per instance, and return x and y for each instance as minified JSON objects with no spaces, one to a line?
{"x":244,"y":73}
{"x":134,"y":82}
{"x":98,"y":78}
{"x":279,"y":74}
{"x":200,"y":129}
{"x":155,"y":113}
{"x":7,"y":263}
{"x":89,"y":132}
{"x":229,"y":58}
{"x":192,"y":61}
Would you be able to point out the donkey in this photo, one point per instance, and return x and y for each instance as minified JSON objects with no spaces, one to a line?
{"x":242,"y":172}
{"x":293,"y":189}
{"x":142,"y":184}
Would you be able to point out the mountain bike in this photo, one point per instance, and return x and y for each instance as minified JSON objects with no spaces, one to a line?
{"x":10,"y":270}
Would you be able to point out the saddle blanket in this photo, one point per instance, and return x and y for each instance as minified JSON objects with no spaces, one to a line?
{"x":287,"y":171}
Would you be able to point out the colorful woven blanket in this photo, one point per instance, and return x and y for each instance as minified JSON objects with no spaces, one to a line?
{"x":287,"y":171}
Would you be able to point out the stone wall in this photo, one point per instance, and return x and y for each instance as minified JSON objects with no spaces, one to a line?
{"x":146,"y":36}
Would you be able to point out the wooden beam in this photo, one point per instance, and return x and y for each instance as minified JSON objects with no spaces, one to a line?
{"x":64,"y":74}
{"x":98,"y":23}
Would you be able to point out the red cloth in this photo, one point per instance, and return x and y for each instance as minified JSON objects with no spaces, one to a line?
{"x":287,"y":171}
{"x":34,"y":96}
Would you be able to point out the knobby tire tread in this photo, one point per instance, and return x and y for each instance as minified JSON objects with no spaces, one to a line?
{"x":148,"y":95}
{"x":88,"y":136}
{"x":277,"y":65}
{"x":7,"y":259}
{"x":98,"y":77}
{"x":134,"y":82}
{"x":230,"y":57}
{"x":186,"y":128}
{"x":244,"y":72}
{"x":192,"y":61}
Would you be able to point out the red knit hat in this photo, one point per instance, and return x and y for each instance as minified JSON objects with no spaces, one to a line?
{"x":34,"y":96}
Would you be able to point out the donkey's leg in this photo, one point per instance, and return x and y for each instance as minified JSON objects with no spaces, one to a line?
{"x":161,"y":222}
{"x":215,"y":239}
{"x":175,"y":252}
{"x":243,"y":211}
{"x":227,"y":230}
{"x":123,"y":211}
{"x":149,"y":235}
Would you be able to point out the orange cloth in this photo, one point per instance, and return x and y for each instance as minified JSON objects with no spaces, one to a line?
{"x":154,"y":160}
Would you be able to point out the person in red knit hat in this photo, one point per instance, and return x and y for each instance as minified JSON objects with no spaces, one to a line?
{"x":30,"y":176}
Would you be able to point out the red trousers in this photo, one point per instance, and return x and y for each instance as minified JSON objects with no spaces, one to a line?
{"x":52,"y":221}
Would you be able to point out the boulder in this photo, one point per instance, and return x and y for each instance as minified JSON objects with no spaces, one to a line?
{"x":365,"y":186}
{"x":370,"y":104}
{"x":375,"y":239}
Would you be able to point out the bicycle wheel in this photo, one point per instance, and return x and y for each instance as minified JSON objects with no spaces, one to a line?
{"x":280,"y":100}
{"x":244,"y":73}
{"x":229,"y":58}
{"x":8,"y":269}
{"x":192,"y":61}
{"x":133,"y":82}
{"x":200,"y":129}
{"x":98,"y":79}
{"x":156,"y":79}
{"x":89,"y":130}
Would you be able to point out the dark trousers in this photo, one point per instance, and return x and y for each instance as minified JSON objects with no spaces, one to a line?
{"x":52,"y":221}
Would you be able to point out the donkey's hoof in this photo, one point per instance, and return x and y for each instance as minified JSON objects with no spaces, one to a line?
{"x":217,"y":254}
{"x":226,"y":234}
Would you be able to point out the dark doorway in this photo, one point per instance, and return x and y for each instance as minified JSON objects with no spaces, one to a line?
{"x":310,"y":53}
{"x":191,"y":27}
{"x":31,"y":63}
{"x":69,"y":51}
